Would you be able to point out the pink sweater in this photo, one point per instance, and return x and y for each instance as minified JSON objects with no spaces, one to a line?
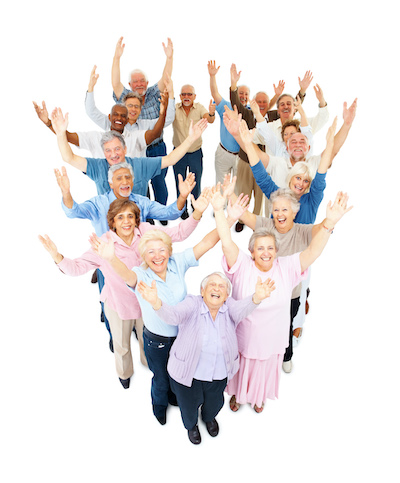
{"x":118,"y":295}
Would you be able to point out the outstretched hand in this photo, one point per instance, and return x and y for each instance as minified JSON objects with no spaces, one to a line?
{"x":186,"y":186}
{"x":93,"y":79}
{"x":148,"y":293}
{"x":263,"y":290}
{"x":41,"y":112}
{"x":104,"y":249}
{"x":236,"y":210}
{"x":335,"y":211}
{"x":59,"y":121}
{"x":202,"y":202}
{"x":63,"y":180}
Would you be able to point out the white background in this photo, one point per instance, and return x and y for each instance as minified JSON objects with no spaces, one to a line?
{"x":65,"y":416}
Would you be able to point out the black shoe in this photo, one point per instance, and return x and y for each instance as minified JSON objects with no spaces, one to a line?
{"x":239,"y":227}
{"x":212,"y":428}
{"x":194,"y":435}
{"x":164,"y":222}
{"x":134,"y":331}
{"x":111,"y":345}
{"x":94,"y":277}
{"x":150,"y":220}
{"x":185,"y":215}
{"x":160,"y":412}
{"x":125,"y":382}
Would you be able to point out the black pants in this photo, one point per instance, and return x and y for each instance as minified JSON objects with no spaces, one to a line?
{"x":294,"y":308}
{"x":208,"y":395}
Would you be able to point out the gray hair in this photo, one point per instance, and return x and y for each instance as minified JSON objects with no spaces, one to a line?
{"x":303,"y":168}
{"x":284,"y":95}
{"x":116,"y":167}
{"x":261,"y":233}
{"x":287,"y":194}
{"x":137,"y":71}
{"x":205,"y":281}
{"x":133,"y":95}
{"x":109,"y":136}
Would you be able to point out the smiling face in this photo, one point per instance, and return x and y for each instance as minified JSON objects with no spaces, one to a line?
{"x":124,"y":225}
{"x":118,"y":118}
{"x":283,"y":215}
{"x":285,"y":108}
{"x":300,"y":184}
{"x":215,"y":292}
{"x":114,"y":152}
{"x":288,"y":133}
{"x":139,"y":83}
{"x":264,"y":253}
{"x":187,"y":96}
{"x":156,"y":256}
{"x":263,"y":103}
{"x":298,"y":147}
{"x":244,"y":94}
{"x":134,"y":109}
{"x":122,"y":183}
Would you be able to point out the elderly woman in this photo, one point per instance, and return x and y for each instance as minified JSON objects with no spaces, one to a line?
{"x":204,"y":355}
{"x":263,"y":335}
{"x":121,"y":306}
{"x":168,"y":271}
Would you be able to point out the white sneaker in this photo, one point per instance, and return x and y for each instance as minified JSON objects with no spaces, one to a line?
{"x":287,"y":366}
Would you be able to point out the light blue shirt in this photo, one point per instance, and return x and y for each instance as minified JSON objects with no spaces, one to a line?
{"x":227,"y":140}
{"x":144,"y":170}
{"x":96,"y":210}
{"x":172,"y":291}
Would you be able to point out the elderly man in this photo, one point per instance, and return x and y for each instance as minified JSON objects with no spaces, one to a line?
{"x":114,"y":149}
{"x":187,"y":111}
{"x":136,"y":140}
{"x":204,"y":355}
{"x":138,"y":82}
{"x":121,"y":181}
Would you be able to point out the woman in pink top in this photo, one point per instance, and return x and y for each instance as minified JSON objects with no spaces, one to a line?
{"x":262,"y":336}
{"x":121,"y":306}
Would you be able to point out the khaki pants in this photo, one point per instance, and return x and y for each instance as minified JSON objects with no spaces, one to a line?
{"x":121,"y":331}
{"x":225,"y":163}
{"x":246,"y":184}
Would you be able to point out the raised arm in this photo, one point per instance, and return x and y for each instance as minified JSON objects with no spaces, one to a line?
{"x":213,"y":71}
{"x":326,"y":156}
{"x":349,"y":115}
{"x":278,"y":92}
{"x":98,"y":117}
{"x":195,"y":131}
{"x":106,"y":251}
{"x":152,"y":134}
{"x":50,"y":246}
{"x":167,"y":72}
{"x":116,"y":69}
{"x":60,"y":124}
{"x":43,"y":115}
{"x":185,"y":188}
{"x":229,"y":247}
{"x":334,"y":213}
{"x":65,"y":186}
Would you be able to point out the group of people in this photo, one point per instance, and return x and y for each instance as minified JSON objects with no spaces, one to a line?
{"x":237,"y":335}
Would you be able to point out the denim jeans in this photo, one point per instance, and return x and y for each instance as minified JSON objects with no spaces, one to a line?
{"x":157,"y":350}
{"x":192,"y":162}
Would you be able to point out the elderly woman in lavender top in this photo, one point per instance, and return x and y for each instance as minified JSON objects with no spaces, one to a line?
{"x":205,"y":354}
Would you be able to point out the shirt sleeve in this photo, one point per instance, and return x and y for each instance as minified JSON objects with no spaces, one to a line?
{"x":86,"y":210}
{"x":94,"y":114}
{"x":170,"y":116}
{"x":158,"y":211}
{"x":124,"y":92}
{"x":263,"y":179}
{"x":319,"y":120}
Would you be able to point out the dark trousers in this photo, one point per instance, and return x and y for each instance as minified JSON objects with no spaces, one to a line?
{"x":208,"y":395}
{"x":158,"y":182}
{"x":156,"y":349}
{"x":294,"y":308}
{"x":192,"y":162}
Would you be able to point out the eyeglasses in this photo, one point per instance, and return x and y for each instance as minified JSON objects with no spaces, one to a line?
{"x":187,"y":94}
